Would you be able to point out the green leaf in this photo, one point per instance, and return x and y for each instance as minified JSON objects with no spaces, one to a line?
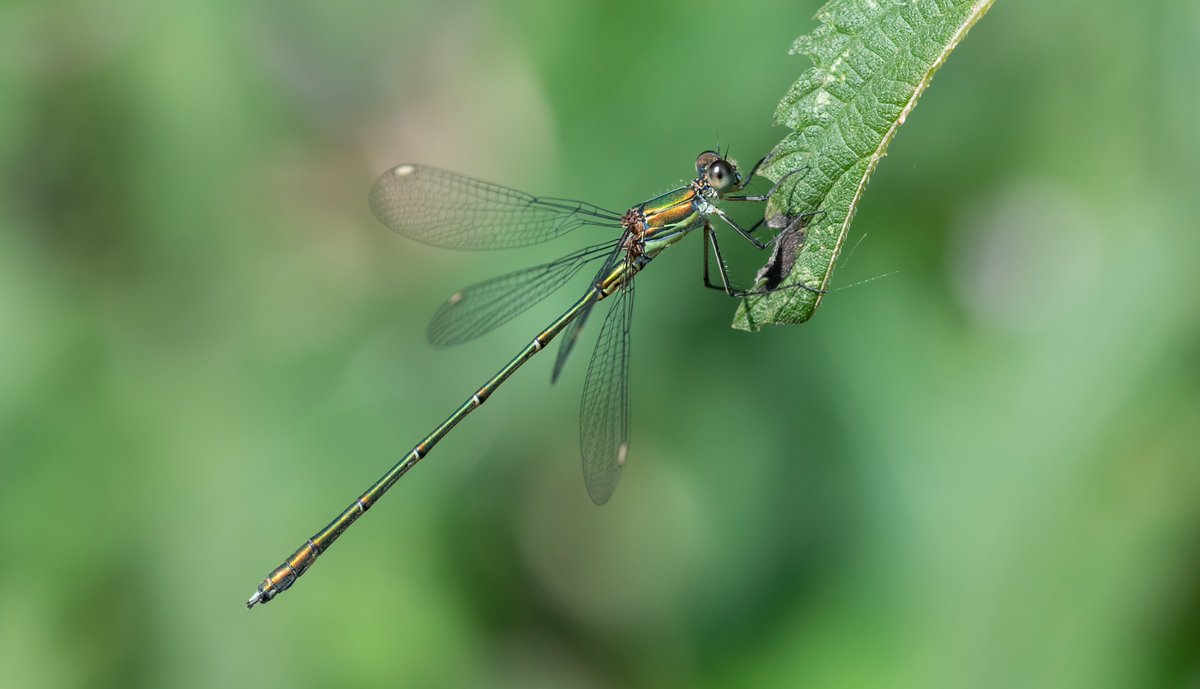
{"x":872,"y":60}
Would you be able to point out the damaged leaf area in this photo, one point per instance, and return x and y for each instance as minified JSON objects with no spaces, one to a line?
{"x":872,"y":60}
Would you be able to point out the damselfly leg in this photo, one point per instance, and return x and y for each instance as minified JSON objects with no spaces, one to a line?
{"x":726,"y":286}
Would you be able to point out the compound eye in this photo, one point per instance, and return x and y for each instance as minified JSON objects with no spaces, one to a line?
{"x":704,"y":160}
{"x":720,"y":175}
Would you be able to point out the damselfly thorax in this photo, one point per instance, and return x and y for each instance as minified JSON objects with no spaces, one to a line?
{"x":652,"y":226}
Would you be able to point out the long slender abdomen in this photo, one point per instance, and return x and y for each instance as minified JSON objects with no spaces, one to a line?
{"x":282,"y":577}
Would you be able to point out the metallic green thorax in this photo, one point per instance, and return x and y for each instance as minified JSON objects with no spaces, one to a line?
{"x":654,"y":225}
{"x":667,"y":218}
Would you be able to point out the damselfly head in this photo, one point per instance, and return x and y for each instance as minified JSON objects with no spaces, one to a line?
{"x":717,"y":172}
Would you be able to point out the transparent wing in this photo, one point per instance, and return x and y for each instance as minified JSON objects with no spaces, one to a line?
{"x":571,"y":336}
{"x":484,"y":306}
{"x":448,"y":210}
{"x":604,"y":413}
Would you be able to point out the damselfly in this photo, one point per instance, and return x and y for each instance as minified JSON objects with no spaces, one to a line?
{"x":447,"y":210}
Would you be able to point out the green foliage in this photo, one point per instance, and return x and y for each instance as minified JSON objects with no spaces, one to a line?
{"x":872,"y":59}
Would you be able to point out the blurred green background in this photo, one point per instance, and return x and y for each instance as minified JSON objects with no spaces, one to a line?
{"x":979,"y":471}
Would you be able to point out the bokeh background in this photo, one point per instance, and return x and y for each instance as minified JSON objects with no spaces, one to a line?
{"x":977,"y":471}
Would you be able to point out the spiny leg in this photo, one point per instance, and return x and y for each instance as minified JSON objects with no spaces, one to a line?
{"x":753,"y":172}
{"x":803,"y":217}
{"x":746,"y":234}
{"x":758,"y":197}
{"x":740,"y":230}
{"x":710,"y":237}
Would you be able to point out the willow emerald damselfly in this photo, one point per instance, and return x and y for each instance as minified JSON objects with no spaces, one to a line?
{"x":448,"y":210}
